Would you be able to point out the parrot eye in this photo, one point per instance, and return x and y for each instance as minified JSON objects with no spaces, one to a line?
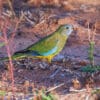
{"x":67,"y":27}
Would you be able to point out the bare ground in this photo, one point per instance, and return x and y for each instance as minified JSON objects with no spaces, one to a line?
{"x":65,"y":67}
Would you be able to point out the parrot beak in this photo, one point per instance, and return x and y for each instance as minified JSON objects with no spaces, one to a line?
{"x":73,"y":27}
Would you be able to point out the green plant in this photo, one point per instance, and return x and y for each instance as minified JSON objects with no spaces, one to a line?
{"x":91,"y":38}
{"x":91,"y":52}
{"x":44,"y":94}
{"x":2,"y":44}
{"x":47,"y":96}
{"x":96,"y":91}
{"x":2,"y":93}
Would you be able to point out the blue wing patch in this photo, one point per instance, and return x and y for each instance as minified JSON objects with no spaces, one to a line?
{"x":50,"y":52}
{"x":34,"y":53}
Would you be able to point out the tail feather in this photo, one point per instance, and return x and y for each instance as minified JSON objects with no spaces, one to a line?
{"x":14,"y":57}
{"x":21,"y":54}
{"x":4,"y":59}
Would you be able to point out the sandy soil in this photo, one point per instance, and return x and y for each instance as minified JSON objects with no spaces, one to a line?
{"x":66,"y":66}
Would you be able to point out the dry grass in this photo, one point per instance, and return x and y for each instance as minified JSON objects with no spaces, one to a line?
{"x":94,"y":2}
{"x":60,"y":2}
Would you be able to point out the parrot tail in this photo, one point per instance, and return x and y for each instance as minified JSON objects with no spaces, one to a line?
{"x":16,"y":56}
{"x":4,"y":59}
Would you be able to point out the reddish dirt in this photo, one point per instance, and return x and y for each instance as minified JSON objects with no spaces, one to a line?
{"x":65,"y":66}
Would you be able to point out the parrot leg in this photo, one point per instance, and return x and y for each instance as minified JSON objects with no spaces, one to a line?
{"x":43,"y":58}
{"x":46,"y":58}
{"x":49,"y":58}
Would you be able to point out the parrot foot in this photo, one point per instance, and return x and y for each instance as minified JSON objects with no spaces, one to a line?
{"x":49,"y":59}
{"x":46,"y":58}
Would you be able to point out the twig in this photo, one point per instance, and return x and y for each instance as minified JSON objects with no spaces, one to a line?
{"x":10,"y":5}
{"x":87,"y":97}
{"x":30,"y":21}
{"x":51,"y":89}
{"x":82,"y":90}
{"x":55,"y":72}
{"x":16,"y":27}
{"x":1,"y":38}
{"x":8,"y":14}
{"x":10,"y":66}
{"x":94,"y":33}
{"x":43,"y":21}
{"x":19,"y":21}
{"x":74,"y":90}
{"x":89,"y":35}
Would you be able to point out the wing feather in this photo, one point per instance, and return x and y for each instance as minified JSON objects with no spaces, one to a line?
{"x":44,"y":46}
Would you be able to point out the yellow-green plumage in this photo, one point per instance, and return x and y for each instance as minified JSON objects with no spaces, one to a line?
{"x":47,"y":47}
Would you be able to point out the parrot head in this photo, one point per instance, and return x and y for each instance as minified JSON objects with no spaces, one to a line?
{"x":66,"y":29}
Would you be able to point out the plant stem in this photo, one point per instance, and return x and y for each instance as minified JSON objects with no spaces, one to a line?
{"x":11,"y":7}
{"x":10,"y":66}
{"x":91,"y":52}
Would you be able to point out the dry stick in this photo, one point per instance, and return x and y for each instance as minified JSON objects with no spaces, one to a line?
{"x":51,"y":89}
{"x":10,"y":66}
{"x":8,"y":14}
{"x":89,"y":35}
{"x":55,"y":72}
{"x":16,"y":27}
{"x":9,"y":52}
{"x":94,"y":33}
{"x":84,"y":90}
{"x":10,"y":5}
{"x":20,"y":19}
{"x":1,"y":6}
{"x":1,"y":38}
{"x":1,"y":28}
{"x":30,"y":21}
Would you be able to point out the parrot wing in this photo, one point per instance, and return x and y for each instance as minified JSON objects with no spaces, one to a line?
{"x":44,"y":47}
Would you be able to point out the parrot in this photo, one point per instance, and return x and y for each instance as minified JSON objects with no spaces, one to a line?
{"x":47,"y":47}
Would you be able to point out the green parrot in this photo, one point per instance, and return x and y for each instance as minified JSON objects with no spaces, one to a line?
{"x":47,"y":47}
